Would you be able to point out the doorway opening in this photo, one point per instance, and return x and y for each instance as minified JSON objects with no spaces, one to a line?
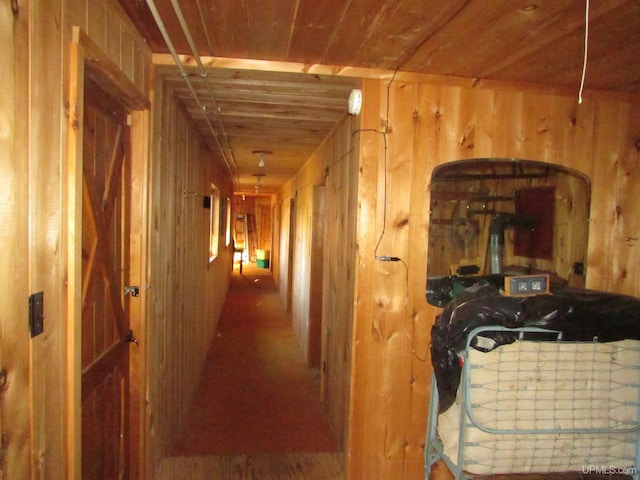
{"x":106,"y":257}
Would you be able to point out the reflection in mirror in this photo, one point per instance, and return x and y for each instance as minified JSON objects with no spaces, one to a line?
{"x":493,"y":218}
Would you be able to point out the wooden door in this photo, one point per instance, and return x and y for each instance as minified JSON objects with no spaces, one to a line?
{"x":105,"y":272}
{"x":317,"y":277}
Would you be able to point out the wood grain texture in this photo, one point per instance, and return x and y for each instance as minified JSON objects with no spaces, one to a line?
{"x":333,"y":164}
{"x":184,"y":320}
{"x":371,"y":147}
{"x":286,"y":114}
{"x":14,"y":237}
{"x":107,"y":197}
{"x":615,"y":148}
{"x":118,"y":39}
{"x":511,"y":45}
{"x":598,"y":137}
{"x":105,"y":314}
{"x":341,"y":154}
{"x":428,"y":125}
{"x":47,"y":267}
{"x":316,"y":270}
{"x":139,"y":265}
{"x":508,"y":40}
{"x":43,"y":136}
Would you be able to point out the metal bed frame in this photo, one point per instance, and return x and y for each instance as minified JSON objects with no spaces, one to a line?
{"x":549,"y":405}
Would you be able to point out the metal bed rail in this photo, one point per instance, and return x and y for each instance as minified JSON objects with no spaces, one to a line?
{"x":545,"y":394}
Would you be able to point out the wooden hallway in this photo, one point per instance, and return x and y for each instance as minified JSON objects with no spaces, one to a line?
{"x":257,"y":412}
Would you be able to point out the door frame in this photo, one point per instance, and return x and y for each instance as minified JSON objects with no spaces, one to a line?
{"x":291,"y":254}
{"x":86,"y":58}
{"x":315,"y":346}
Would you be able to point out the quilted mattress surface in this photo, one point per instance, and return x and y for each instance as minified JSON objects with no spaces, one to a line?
{"x":546,"y":391}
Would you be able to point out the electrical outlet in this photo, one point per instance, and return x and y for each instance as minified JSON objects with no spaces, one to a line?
{"x":36,"y":314}
{"x":526,"y":285}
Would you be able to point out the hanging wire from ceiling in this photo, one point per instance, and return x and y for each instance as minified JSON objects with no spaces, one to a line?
{"x":586,"y":44}
{"x":225,"y":151}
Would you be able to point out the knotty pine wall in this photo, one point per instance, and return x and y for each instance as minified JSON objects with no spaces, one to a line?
{"x":427,"y":125}
{"x":36,"y":63}
{"x":187,"y":292}
{"x":333,"y":165}
{"x":14,"y":238}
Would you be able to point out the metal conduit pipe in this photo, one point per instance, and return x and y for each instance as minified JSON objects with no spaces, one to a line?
{"x":500,"y":222}
{"x":203,"y":73}
{"x":183,"y":73}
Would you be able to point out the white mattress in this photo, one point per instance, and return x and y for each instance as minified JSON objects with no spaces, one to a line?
{"x":548,"y":386}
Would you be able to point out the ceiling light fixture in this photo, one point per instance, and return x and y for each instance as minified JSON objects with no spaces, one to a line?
{"x":261,"y":156}
{"x":354,"y":104}
{"x":258,"y":180}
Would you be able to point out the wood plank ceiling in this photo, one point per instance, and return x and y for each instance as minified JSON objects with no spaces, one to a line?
{"x":288,"y":114}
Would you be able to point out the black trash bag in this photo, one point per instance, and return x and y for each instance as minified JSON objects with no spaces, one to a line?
{"x":441,"y":290}
{"x":581,"y":315}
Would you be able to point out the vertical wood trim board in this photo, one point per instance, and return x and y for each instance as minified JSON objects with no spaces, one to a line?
{"x":47,"y":247}
{"x":73,"y":200}
{"x":14,"y":237}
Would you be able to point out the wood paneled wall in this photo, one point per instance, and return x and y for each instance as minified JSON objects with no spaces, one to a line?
{"x":426,"y":125}
{"x":384,"y":361}
{"x":42,"y":36}
{"x":282,"y":267}
{"x":334,"y":165}
{"x":263,"y":223}
{"x":186,"y":291}
{"x":14,"y":238}
{"x":340,"y":247}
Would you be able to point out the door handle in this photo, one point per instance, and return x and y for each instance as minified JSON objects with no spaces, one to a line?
{"x":133,"y":290}
{"x":130,"y":338}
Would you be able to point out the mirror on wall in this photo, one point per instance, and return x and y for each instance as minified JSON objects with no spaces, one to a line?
{"x":492,"y":218}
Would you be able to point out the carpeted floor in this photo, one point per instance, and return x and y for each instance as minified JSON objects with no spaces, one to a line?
{"x":256,"y":394}
{"x":295,"y":466}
